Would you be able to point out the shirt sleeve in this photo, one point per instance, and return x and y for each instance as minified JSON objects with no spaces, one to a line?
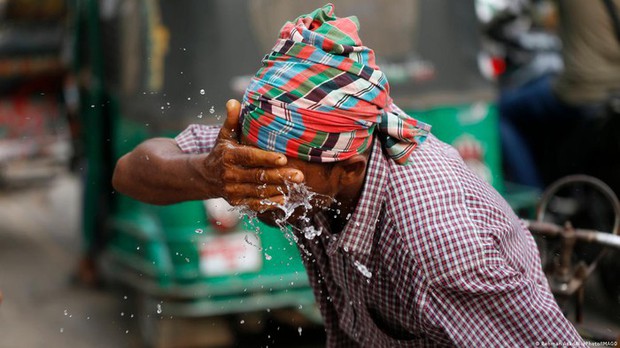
{"x":484,"y":284}
{"x":197,"y":138}
{"x":501,"y":310}
{"x":478,"y":296}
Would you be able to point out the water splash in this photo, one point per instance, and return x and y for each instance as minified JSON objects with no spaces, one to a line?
{"x":297,"y":198}
{"x":298,"y":195}
{"x":310,"y":232}
{"x":247,"y":240}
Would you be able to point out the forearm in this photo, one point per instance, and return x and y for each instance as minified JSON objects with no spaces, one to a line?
{"x":158,"y":172}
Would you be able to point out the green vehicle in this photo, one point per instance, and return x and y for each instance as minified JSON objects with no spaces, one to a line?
{"x":184,"y":261}
{"x":149,"y":68}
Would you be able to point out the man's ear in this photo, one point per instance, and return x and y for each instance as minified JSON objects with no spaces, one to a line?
{"x":353,"y":169}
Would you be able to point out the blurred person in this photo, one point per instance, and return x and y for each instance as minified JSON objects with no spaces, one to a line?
{"x":402,"y":243}
{"x":568,"y":99}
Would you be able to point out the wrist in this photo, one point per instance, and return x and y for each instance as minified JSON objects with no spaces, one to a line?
{"x":202,"y":176}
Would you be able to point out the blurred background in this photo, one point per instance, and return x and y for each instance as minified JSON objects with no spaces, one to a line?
{"x":84,"y":81}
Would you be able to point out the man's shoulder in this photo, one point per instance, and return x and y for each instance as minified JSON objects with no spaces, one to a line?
{"x":438,"y":195}
{"x":435,"y":166}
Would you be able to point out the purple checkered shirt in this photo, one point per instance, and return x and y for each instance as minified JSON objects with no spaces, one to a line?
{"x":432,"y":256}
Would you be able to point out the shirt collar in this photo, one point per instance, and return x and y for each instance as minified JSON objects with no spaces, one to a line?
{"x":357,"y":235}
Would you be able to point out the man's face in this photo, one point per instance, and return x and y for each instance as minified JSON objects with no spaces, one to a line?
{"x":318,"y":191}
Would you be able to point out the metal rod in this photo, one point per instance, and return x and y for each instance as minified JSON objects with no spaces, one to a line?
{"x":591,"y":236}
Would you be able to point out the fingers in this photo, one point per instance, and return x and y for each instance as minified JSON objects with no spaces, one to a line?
{"x":245,"y":155}
{"x":260,"y":205}
{"x":252,"y":191}
{"x":248,"y":156}
{"x":267,"y":176}
{"x":230,"y":129}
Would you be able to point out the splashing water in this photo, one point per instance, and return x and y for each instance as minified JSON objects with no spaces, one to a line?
{"x":310,"y":232}
{"x":247,"y":240}
{"x":297,"y":196}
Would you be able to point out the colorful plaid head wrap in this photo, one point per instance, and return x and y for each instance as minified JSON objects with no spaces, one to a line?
{"x":319,"y":95}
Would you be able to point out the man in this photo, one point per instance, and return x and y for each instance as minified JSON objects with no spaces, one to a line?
{"x":408,"y":247}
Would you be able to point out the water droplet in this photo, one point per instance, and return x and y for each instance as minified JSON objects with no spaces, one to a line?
{"x":199,"y":115}
{"x":124,"y":297}
{"x":189,"y":98}
{"x":363,"y":269}
{"x":66,"y":312}
{"x":299,"y":330}
{"x":242,"y":322}
{"x":267,"y":256}
{"x":199,"y":230}
{"x":212,"y":109}
{"x":126,"y":331}
{"x":187,"y":259}
{"x":122,"y":314}
{"x":62,"y":330}
{"x":202,"y":91}
{"x":310,"y":232}
{"x":138,"y":248}
{"x":158,"y":308}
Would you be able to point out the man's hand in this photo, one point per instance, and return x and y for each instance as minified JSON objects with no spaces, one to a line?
{"x":245,"y":175}
{"x":158,"y":172}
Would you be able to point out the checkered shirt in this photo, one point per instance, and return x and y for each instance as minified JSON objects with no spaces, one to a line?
{"x":431,"y":257}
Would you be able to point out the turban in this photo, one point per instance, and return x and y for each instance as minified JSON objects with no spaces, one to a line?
{"x":319,"y":96}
